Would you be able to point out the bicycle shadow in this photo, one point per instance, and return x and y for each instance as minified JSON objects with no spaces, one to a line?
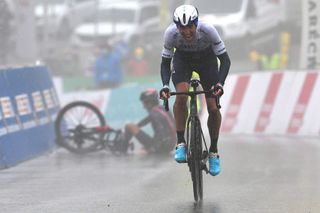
{"x":209,"y":207}
{"x":201,"y":207}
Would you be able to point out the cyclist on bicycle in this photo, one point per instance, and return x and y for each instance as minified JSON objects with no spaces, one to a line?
{"x":162,"y":123}
{"x":197,"y":46}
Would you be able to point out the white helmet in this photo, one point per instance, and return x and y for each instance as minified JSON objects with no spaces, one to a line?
{"x":185,"y":15}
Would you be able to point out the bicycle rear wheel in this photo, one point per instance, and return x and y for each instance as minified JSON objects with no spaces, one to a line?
{"x":195,"y":160}
{"x":75,"y":127}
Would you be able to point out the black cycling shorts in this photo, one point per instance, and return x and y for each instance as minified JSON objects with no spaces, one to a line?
{"x":206,"y":67}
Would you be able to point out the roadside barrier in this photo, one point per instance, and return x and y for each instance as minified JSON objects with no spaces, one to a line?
{"x":28,"y":107}
{"x":264,"y":102}
{"x":281,"y":103}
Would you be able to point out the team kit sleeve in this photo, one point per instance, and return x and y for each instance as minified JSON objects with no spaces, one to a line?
{"x":167,"y":54}
{"x":220,"y":50}
{"x":144,"y":121}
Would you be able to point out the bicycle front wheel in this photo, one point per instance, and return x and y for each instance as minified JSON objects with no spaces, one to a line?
{"x":75,"y":127}
{"x":195,"y":160}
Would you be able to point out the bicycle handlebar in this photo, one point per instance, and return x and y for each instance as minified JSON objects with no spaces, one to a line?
{"x":191,"y":93}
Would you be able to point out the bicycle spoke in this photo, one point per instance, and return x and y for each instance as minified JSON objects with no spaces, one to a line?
{"x":75,"y":127}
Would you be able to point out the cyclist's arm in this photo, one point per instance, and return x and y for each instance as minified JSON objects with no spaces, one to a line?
{"x":224,"y":67}
{"x":165,"y":70}
{"x":144,"y":121}
{"x":220,"y":51}
{"x":167,"y":54}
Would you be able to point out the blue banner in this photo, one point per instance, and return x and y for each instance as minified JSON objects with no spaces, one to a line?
{"x":28,"y":106}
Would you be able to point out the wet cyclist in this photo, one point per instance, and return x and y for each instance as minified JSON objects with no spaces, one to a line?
{"x":197,"y":46}
{"x":162,"y":123}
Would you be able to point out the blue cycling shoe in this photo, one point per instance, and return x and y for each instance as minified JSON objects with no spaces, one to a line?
{"x":214,"y":164}
{"x":180,"y":155}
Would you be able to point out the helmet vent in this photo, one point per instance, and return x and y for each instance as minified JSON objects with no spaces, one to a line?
{"x":185,"y":15}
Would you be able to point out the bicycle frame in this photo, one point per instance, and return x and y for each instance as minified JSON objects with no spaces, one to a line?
{"x":196,"y":156}
{"x":81,"y":128}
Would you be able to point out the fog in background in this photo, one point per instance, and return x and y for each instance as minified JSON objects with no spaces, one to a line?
{"x":33,"y":31}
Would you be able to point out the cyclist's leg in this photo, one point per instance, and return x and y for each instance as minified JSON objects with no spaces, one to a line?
{"x":209,"y":77}
{"x":180,"y":109}
{"x":130,"y":130}
{"x":213,"y":123}
{"x":142,"y":137}
{"x":146,"y":140}
{"x":180,"y":78}
{"x":208,"y":72}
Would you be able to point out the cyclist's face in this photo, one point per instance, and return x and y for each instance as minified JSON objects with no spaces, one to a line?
{"x":188,"y":32}
{"x":148,"y":106}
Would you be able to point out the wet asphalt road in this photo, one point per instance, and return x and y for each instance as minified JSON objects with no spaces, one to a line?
{"x":259,"y":174}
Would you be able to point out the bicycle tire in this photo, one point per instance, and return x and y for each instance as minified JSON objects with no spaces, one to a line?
{"x":70,"y":124}
{"x":195,"y":160}
{"x":200,"y":157}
